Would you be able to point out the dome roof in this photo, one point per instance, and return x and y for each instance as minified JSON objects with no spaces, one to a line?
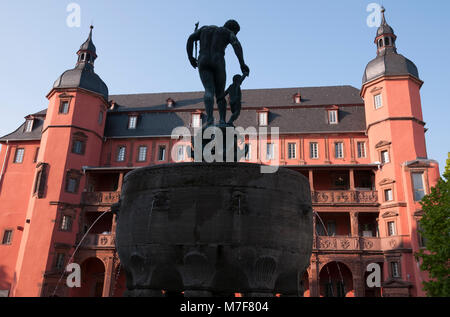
{"x":82,"y":76}
{"x":390,"y":64}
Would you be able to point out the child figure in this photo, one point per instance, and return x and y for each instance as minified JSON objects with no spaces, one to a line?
{"x":235,"y":97}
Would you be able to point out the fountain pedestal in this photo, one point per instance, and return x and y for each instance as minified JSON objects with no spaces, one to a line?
{"x":214,"y":228}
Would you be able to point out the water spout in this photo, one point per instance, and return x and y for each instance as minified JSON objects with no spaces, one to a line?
{"x":76,"y":249}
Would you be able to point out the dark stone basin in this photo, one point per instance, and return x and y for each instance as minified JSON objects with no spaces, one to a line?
{"x":214,"y":229}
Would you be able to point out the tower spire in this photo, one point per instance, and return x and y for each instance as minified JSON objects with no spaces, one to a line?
{"x":385,"y":38}
{"x":87,"y":52}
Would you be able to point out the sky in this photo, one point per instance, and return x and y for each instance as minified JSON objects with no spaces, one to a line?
{"x":141,"y":48}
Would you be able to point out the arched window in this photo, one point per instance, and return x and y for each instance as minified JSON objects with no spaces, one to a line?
{"x":386,"y":41}
{"x":380,"y":43}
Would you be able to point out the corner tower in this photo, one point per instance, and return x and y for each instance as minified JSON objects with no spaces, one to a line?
{"x":396,"y":132}
{"x":72,"y":137}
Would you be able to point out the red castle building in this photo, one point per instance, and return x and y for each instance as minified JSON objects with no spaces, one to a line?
{"x":363,"y":152}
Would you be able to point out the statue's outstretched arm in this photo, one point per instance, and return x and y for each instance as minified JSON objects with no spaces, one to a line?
{"x":239,"y":54}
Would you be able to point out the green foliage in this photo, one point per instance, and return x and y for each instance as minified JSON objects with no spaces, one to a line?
{"x":435,"y":229}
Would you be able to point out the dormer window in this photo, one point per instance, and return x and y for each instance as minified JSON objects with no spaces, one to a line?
{"x":196,"y":120}
{"x":297,"y":98}
{"x":262,"y":118}
{"x":332,"y":116}
{"x":132,"y":122}
{"x":170,"y":102}
{"x":29,"y":125}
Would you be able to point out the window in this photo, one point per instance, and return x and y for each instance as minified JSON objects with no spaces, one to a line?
{"x":142,"y":153}
{"x":421,"y":238}
{"x":419,"y":191}
{"x":132,"y":121}
{"x":361,"y":149}
{"x":29,"y":125}
{"x":196,"y":120}
{"x":121,"y":153}
{"x":18,"y":158}
{"x":100,"y":117}
{"x":314,"y":150}
{"x":262,"y":118}
{"x":332,"y":117}
{"x":40,"y":181}
{"x":386,"y":41}
{"x":64,"y":107}
{"x":72,"y":185}
{"x":339,"y":150}
{"x":78,"y":147}
{"x":59,"y":263}
{"x":7,"y":237}
{"x":395,"y":270}
{"x":248,"y":154}
{"x":36,"y":153}
{"x":161,"y":153}
{"x":66,"y":223}
{"x":292,"y":149}
{"x":270,"y":151}
{"x":377,"y":101}
{"x":384,"y":156}
{"x":391,"y":228}
{"x":388,"y":195}
{"x":180,"y":153}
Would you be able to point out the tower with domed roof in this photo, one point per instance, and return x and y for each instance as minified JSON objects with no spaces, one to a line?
{"x":396,"y":133}
{"x":72,"y":138}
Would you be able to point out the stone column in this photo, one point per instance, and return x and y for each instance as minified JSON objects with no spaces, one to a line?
{"x":314,"y":290}
{"x":108,"y":277}
{"x":120,"y":182}
{"x":352,"y":179}
{"x":354,"y":224}
{"x":311,"y":180}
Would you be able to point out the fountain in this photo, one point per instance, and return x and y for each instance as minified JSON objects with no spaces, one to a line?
{"x":218,"y":228}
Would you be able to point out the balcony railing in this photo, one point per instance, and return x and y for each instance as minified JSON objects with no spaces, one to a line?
{"x":101,"y":198}
{"x":99,"y":241}
{"x":357,"y":243}
{"x":344,"y":197}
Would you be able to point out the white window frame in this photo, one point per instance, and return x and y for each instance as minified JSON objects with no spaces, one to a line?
{"x":391,"y":229}
{"x":339,"y":150}
{"x":180,"y":153}
{"x":384,"y":156}
{"x":121,"y":153}
{"x":196,"y":120}
{"x":163,"y":148}
{"x":361,"y":149}
{"x":418,"y":191}
{"x":390,"y":194}
{"x":19,"y":155}
{"x":132,"y":122}
{"x":377,"y":101}
{"x":142,"y":153}
{"x":262,"y":118}
{"x":292,"y":150}
{"x":66,"y":223}
{"x":270,"y":151}
{"x":314,"y":150}
{"x":332,"y":117}
{"x":29,"y":125}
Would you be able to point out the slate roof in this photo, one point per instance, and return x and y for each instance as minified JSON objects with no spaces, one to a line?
{"x":257,"y":98}
{"x":156,"y":119}
{"x":35,"y":134}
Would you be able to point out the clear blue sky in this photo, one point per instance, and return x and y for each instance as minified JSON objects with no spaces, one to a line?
{"x":141,"y":48}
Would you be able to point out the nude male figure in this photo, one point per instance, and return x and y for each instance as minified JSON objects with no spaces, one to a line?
{"x":211,"y":63}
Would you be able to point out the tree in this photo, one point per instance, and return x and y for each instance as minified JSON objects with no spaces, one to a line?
{"x":435,"y":229}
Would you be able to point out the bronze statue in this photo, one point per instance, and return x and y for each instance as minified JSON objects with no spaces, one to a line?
{"x":234,"y":91}
{"x":211,"y":63}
